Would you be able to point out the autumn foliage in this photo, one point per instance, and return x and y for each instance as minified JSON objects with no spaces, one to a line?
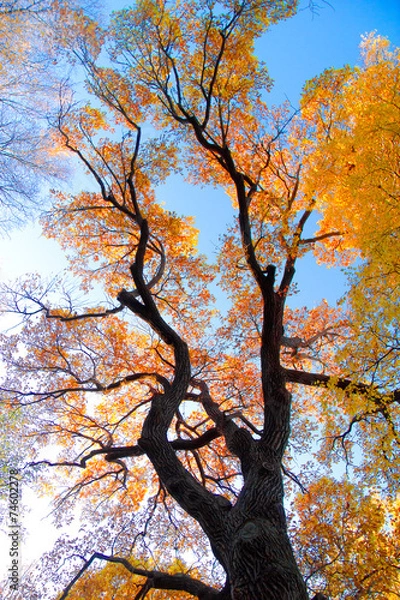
{"x":171,"y":399}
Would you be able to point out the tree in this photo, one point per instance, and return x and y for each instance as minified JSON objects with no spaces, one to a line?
{"x":173,"y":429}
{"x":31,"y":83}
{"x":344,"y":538}
{"x":26,"y":94}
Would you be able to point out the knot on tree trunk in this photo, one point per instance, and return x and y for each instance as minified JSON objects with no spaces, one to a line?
{"x":262,"y":563}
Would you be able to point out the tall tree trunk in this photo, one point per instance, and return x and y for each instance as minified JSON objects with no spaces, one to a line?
{"x":262,"y":565}
{"x":259,"y":559}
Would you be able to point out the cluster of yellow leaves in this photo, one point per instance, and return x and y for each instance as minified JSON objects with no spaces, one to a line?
{"x":353,"y":166}
{"x":347,"y":541}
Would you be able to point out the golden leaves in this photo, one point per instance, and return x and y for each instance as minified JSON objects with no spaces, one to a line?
{"x":352,"y":166}
{"x":348,"y":540}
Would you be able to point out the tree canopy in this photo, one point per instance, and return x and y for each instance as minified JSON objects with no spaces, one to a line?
{"x":174,"y":416}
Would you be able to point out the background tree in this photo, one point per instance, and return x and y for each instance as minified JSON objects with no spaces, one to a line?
{"x":31,"y":83}
{"x":174,"y":429}
{"x":345,"y":545}
{"x":23,"y":98}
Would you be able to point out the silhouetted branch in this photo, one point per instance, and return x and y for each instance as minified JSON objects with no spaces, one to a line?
{"x":154,"y":579}
{"x":341,"y":383}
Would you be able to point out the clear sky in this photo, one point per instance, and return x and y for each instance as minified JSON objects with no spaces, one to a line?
{"x":294,"y":51}
{"x":301,"y":48}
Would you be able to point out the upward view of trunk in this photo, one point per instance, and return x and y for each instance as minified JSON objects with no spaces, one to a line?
{"x":262,"y":564}
{"x":253,"y":545}
{"x":248,"y":538}
{"x":260,"y":559}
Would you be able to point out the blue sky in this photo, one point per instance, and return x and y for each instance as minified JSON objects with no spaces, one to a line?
{"x":300,"y":48}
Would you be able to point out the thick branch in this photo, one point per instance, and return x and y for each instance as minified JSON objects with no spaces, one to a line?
{"x":189,"y":493}
{"x":238,"y":440}
{"x":319,"y":238}
{"x":154,"y":579}
{"x":177,"y":444}
{"x":116,"y":453}
{"x":341,"y":383}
